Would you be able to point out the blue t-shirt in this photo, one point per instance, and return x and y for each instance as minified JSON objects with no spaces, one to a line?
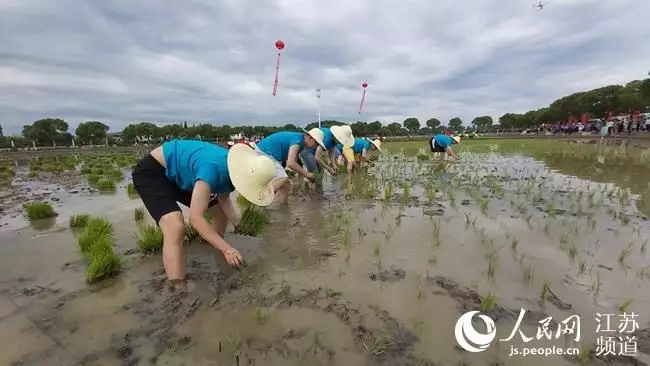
{"x":277,"y":145}
{"x":190,"y":160}
{"x":359,"y":145}
{"x":443,"y":141}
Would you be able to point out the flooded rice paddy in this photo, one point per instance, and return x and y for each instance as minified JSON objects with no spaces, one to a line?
{"x":373,"y":269}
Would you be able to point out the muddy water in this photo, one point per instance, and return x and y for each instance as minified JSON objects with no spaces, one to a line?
{"x":362,"y":281}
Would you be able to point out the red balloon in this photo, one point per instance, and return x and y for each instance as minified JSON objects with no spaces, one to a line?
{"x":279,"y":45}
{"x":365,"y":85}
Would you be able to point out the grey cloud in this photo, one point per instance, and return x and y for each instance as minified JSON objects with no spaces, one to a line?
{"x":125,"y":61}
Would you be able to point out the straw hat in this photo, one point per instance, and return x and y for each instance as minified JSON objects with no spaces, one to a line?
{"x":456,"y":138}
{"x":317,"y":134}
{"x":343,"y":134}
{"x":252,"y":144}
{"x":251,"y":174}
{"x":377,"y":144}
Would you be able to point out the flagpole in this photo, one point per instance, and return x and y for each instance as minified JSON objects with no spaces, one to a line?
{"x":318,"y":94}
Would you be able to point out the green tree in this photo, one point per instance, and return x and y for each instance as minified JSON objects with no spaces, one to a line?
{"x":91,"y":132}
{"x":412,"y":124}
{"x":48,"y":130}
{"x":482,"y":123}
{"x":455,"y":124}
{"x":433,"y":123}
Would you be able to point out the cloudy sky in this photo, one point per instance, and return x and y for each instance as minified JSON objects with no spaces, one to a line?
{"x":122,"y":61}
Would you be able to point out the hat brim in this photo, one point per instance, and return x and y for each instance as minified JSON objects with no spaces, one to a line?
{"x":345,"y":139}
{"x":375,"y":144}
{"x":457,"y":139}
{"x":318,"y":139}
{"x":238,"y":157}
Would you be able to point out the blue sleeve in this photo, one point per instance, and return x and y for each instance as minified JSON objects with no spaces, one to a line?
{"x":366,"y":145}
{"x":296,"y":140}
{"x":210,"y":176}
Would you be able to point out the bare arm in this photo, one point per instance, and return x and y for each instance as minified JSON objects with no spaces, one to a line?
{"x":198,"y":207}
{"x":326,"y":165}
{"x":331,"y":154}
{"x":364,"y":158}
{"x":292,"y":162}
{"x":452,"y":153}
{"x":225,"y":203}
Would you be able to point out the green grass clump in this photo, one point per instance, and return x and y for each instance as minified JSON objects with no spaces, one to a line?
{"x":190,"y":232}
{"x":150,"y":239}
{"x":242,"y":201}
{"x":106,"y":184}
{"x":102,"y":261}
{"x":79,"y":221}
{"x":94,"y":178}
{"x":116,"y":174}
{"x":138,"y":214}
{"x":130,"y":190}
{"x":39,"y":210}
{"x":99,"y":226}
{"x":253,"y":220}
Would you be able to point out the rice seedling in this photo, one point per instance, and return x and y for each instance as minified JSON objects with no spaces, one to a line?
{"x":514,"y":244}
{"x":379,"y":347}
{"x":488,"y":303}
{"x":39,"y":210}
{"x":545,"y":290}
{"x":90,"y":238}
{"x":596,"y":284}
{"x":423,"y":157}
{"x":332,"y":293}
{"x":106,"y":184}
{"x":260,"y":315}
{"x":625,"y":306}
{"x":99,"y":226}
{"x":642,"y":249}
{"x":582,"y":268}
{"x":94,"y":178}
{"x":150,"y":239}
{"x":138,"y":214}
{"x":253,"y":221}
{"x":527,"y":274}
{"x":78,"y":221}
{"x":484,"y":202}
{"x":190,"y":232}
{"x":625,"y":220}
{"x":130,"y":190}
{"x":407,"y":192}
{"x":625,"y":252}
{"x":102,"y":262}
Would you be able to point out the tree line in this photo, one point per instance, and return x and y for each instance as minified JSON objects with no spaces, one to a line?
{"x":618,"y":99}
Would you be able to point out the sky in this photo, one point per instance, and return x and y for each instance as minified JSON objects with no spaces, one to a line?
{"x":213,"y":61}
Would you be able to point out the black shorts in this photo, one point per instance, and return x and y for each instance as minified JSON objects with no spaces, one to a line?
{"x":435,"y":147}
{"x":158,"y":193}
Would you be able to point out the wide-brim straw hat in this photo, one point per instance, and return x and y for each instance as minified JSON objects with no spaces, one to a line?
{"x":456,"y":138}
{"x":343,"y":134}
{"x":317,"y":134}
{"x":377,"y":144}
{"x":251,"y":174}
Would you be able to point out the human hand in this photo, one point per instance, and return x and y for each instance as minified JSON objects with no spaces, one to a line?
{"x":311,"y":177}
{"x":332,"y":171}
{"x":233,"y":257}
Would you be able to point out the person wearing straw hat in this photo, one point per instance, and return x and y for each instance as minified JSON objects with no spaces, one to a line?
{"x":311,"y":158}
{"x":201,"y":176}
{"x":360,"y":150}
{"x":441,"y":144}
{"x":284,"y":148}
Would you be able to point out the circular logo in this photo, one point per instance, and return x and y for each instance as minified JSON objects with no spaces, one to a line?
{"x":471,"y":340}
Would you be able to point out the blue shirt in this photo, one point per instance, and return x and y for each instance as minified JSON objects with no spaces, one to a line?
{"x":359,"y":145}
{"x":190,"y":160}
{"x":443,"y":141}
{"x":277,"y":145}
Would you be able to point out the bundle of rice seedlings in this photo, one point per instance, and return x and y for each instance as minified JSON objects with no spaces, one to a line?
{"x":130,"y":189}
{"x":138,"y":214}
{"x":39,"y":210}
{"x":150,"y":239}
{"x":102,"y":261}
{"x":190,"y":232}
{"x":242,"y":201}
{"x":106,"y":184}
{"x":253,"y":221}
{"x":88,"y":240}
{"x":79,"y":221}
{"x":100,"y":226}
